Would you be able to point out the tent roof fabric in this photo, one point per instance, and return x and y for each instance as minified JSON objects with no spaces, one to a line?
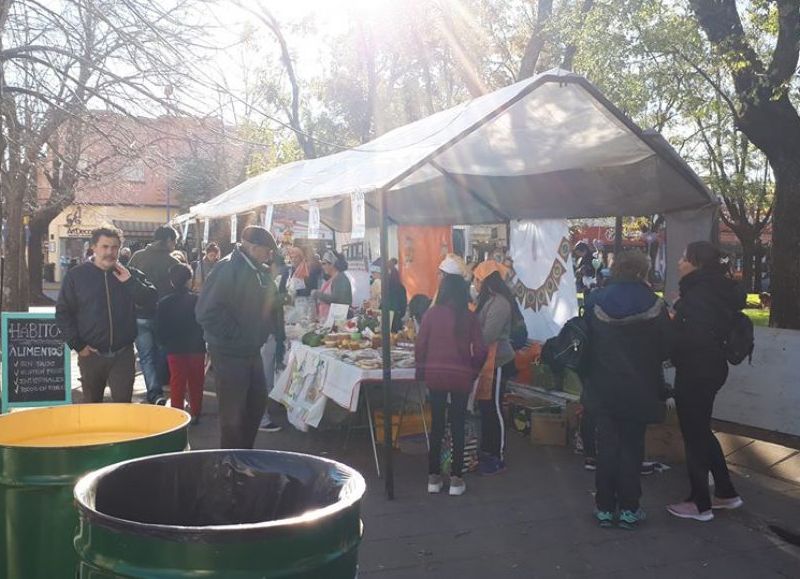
{"x":546,"y":147}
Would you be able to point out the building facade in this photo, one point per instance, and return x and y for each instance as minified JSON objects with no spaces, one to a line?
{"x":134,"y":180}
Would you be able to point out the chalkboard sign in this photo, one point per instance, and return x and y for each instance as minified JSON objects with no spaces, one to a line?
{"x":36,"y":363}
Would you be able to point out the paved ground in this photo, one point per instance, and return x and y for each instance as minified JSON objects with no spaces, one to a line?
{"x":535,"y":519}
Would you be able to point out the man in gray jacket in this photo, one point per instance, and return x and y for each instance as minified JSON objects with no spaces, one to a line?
{"x":236,"y":310}
{"x":154,"y":261}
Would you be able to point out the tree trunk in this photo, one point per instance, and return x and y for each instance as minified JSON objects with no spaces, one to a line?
{"x":757,"y":268}
{"x":530,"y":58}
{"x":39,"y":230}
{"x":748,"y":252}
{"x":14,"y":297}
{"x":786,"y":243}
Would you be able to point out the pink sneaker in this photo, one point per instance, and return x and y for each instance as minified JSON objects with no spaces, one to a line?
{"x":730,"y":504}
{"x":689,"y":510}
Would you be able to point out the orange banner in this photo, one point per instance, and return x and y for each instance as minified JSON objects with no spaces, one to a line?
{"x":421,"y":251}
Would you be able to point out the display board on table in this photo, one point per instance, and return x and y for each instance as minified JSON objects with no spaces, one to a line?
{"x":357,"y":254}
{"x":36,"y":361}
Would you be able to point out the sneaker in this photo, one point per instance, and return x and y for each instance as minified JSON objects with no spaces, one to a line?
{"x":195,"y":420}
{"x":688,"y":510}
{"x":492,"y":466}
{"x":434,"y":483}
{"x":730,"y":504}
{"x":457,"y":486}
{"x":590,"y":463}
{"x":630,"y":519}
{"x":647,"y":468}
{"x":604,"y":518}
{"x":161,"y":401}
{"x":270,"y":427}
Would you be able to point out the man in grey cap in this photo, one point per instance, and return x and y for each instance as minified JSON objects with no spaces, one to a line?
{"x":236,"y":310}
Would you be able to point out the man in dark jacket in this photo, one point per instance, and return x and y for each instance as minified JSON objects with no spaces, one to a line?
{"x":96,"y":313}
{"x":154,"y":261}
{"x":235,"y":310}
{"x":629,"y":340}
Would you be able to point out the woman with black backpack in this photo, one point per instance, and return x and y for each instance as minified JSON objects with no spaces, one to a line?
{"x":704,"y":316}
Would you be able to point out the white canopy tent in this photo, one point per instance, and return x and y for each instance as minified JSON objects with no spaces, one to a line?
{"x":546,"y":147}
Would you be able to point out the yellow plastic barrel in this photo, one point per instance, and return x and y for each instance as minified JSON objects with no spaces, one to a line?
{"x":44,"y":451}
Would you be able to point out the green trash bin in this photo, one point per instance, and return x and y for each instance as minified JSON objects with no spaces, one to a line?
{"x":233,"y":514}
{"x":44,"y":452}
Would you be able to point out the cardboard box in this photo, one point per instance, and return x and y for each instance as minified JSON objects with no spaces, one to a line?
{"x":412,"y":424}
{"x":664,"y":443}
{"x":549,"y":429}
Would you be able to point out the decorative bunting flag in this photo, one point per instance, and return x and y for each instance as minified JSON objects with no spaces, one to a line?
{"x":519,"y":291}
{"x":540,"y":297}
{"x":564,"y":248}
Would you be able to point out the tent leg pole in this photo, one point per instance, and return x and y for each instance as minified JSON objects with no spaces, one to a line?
{"x":388,"y":469}
{"x":199,"y":244}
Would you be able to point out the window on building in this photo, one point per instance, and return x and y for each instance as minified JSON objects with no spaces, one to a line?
{"x":133,"y":172}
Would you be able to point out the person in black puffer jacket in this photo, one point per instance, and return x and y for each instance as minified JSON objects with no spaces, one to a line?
{"x":181,"y":337}
{"x":703,"y":318}
{"x":96,"y":313}
{"x":629,"y":340}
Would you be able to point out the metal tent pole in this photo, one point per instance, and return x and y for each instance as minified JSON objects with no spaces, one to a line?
{"x":388,"y":469}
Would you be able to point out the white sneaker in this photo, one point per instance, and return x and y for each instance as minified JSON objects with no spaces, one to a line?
{"x":689,"y":510}
{"x":434,"y":483}
{"x":730,"y":504}
{"x":457,"y":486}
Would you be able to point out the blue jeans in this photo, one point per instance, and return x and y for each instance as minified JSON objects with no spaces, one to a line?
{"x":149,"y":358}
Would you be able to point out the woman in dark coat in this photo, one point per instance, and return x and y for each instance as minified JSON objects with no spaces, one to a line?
{"x":703,"y":318}
{"x":449,"y":353}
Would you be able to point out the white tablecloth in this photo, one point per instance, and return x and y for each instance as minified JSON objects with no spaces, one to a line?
{"x":313,"y":376}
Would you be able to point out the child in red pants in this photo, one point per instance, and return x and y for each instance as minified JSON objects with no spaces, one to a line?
{"x":182,"y":338}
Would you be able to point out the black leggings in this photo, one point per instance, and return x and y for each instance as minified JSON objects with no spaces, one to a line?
{"x":695,"y":403}
{"x":457,"y":417}
{"x":493,"y":427}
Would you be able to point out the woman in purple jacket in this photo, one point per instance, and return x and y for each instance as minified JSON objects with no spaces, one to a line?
{"x":449,"y":354}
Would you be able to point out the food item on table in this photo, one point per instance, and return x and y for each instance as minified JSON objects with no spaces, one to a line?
{"x":369,"y":364}
{"x":312,"y":339}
